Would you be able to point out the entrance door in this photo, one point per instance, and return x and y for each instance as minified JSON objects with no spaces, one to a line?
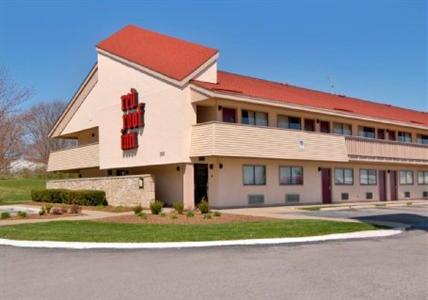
{"x":382,"y":185}
{"x":229,"y":115}
{"x":325,"y":126}
{"x":393,"y":184}
{"x":201,"y":182}
{"x":326,"y":185}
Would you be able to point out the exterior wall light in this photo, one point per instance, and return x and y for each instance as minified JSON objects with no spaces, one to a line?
{"x":220,"y":166}
{"x":141,"y":183}
{"x":220,"y":107}
{"x":211,"y":166}
{"x":178,"y":168}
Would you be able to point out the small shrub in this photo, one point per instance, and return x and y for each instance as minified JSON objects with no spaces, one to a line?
{"x":64,"y":209}
{"x":207,"y":216}
{"x":42,"y":211}
{"x":179,"y":207}
{"x":409,"y":203}
{"x":56,"y":211}
{"x":204,"y":207}
{"x":137,"y":209}
{"x":162,"y":214}
{"x":21,"y":214}
{"x":190,"y":214}
{"x":5,"y":215}
{"x":217,"y":214}
{"x":75,"y":209}
{"x":174,"y":216}
{"x":48,"y":208}
{"x":156,"y":207}
{"x":142,"y":215}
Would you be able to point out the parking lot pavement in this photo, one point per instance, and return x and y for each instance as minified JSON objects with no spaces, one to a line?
{"x":414,"y":216}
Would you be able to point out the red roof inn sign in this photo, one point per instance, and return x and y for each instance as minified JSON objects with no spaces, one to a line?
{"x":133,"y":119}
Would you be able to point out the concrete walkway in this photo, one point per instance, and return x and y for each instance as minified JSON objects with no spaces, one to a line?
{"x":86,"y":215}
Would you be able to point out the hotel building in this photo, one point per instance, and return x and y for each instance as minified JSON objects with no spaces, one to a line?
{"x":157,"y":109}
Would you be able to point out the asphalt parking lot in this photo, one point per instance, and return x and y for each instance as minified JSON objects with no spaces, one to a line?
{"x":414,"y":216}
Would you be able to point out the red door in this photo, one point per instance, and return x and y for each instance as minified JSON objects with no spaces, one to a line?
{"x":326,"y":185}
{"x":393,"y":184}
{"x":382,"y":185}
{"x":229,"y":115}
{"x":325,"y":126}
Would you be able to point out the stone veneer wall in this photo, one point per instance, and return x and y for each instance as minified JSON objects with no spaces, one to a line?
{"x":120,"y":190}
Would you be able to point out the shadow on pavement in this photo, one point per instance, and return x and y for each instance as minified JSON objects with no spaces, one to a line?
{"x":415,"y":221}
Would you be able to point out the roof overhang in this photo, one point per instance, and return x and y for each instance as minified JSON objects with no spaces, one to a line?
{"x":208,"y":93}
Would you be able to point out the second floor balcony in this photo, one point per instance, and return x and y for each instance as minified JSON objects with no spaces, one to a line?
{"x":81,"y":157}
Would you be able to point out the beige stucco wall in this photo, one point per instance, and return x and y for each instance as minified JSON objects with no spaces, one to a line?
{"x":120,"y":190}
{"x":227,"y":190}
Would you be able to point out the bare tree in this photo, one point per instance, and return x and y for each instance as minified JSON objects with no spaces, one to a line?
{"x":38,"y":121}
{"x":11,"y":98}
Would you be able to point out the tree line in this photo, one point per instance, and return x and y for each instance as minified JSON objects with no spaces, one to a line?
{"x":24,"y":129}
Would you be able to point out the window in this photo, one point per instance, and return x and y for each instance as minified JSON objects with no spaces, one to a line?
{"x":291,"y":175}
{"x":368,"y":177}
{"x":344,"y":176}
{"x":423,"y":177}
{"x":229,"y":115}
{"x":254,"y":175}
{"x":289,"y":122}
{"x":254,"y":118}
{"x":404,"y":137}
{"x":343,"y":129}
{"x":406,"y":177}
{"x":309,"y":125}
{"x":367,"y":132}
{"x":422,"y":139}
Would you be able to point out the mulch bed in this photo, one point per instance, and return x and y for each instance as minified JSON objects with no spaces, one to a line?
{"x":38,"y":217}
{"x":182,"y":219}
{"x":117,"y":209}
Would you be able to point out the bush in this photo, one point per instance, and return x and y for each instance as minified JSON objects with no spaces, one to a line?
{"x":174,"y":216}
{"x":217,"y":214}
{"x":142,"y":215}
{"x":156,"y":207}
{"x":190,"y":214}
{"x":21,"y":214}
{"x":42,"y":211}
{"x":48,"y":208}
{"x":79,"y":197}
{"x":162,"y":214}
{"x":56,"y":211}
{"x":137,"y":209}
{"x":5,"y":215}
{"x":204,"y":207}
{"x":75,"y":209}
{"x":207,"y":216}
{"x":179,"y":207}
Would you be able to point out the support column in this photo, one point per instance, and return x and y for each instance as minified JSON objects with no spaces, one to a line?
{"x":188,"y":187}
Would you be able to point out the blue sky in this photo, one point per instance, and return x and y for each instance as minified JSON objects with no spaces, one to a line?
{"x":372,"y":49}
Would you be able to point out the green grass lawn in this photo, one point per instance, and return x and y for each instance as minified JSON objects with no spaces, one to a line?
{"x":16,"y":190}
{"x":90,"y":231}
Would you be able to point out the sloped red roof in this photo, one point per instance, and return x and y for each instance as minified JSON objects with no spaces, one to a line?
{"x":169,"y":56}
{"x":231,"y":83}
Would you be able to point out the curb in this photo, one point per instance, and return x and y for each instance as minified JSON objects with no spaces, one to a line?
{"x":175,"y":245}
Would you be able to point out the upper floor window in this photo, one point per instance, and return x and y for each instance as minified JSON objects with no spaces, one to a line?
{"x":309,"y":124}
{"x":291,"y":175}
{"x":368,"y":177}
{"x":229,"y":115}
{"x":423,"y":177}
{"x":254,"y":175}
{"x":344,"y":176}
{"x":406,"y":177}
{"x":343,"y":129}
{"x":422,"y":139}
{"x":367,"y":132}
{"x":254,"y":118}
{"x":289,"y":122}
{"x":404,"y":137}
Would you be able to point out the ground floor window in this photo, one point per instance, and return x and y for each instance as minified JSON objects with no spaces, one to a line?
{"x":254,"y":175}
{"x":344,"y":176}
{"x":406,"y":177}
{"x":368,"y":177}
{"x":290,"y":175}
{"x":423,"y":177}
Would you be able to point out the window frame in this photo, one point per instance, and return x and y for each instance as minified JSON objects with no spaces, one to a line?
{"x":406,"y":171}
{"x":254,"y":172}
{"x":361,"y":129}
{"x":291,"y":172}
{"x":255,"y":112}
{"x":420,"y":138}
{"x":343,"y":173}
{"x":341,"y":128}
{"x":288,"y":122}
{"x":368,"y":176}
{"x":423,"y":177}
{"x":405,"y":134}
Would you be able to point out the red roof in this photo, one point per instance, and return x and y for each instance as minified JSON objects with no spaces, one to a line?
{"x":169,"y":56}
{"x":230,"y":83}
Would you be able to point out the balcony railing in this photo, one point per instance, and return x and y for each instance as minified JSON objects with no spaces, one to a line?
{"x":80,"y":157}
{"x":365,"y":149}
{"x":231,"y":139}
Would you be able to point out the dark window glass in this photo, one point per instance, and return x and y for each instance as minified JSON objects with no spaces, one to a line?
{"x":406,"y":177}
{"x":254,"y":175}
{"x":368,"y":177}
{"x":291,"y":175}
{"x":344,"y":176}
